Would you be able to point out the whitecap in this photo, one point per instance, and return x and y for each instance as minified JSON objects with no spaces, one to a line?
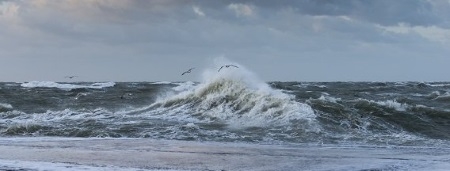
{"x":443,"y":97}
{"x":393,"y":104}
{"x":51,"y":84}
{"x":329,"y":99}
{"x":161,"y":82}
{"x":6,"y":106}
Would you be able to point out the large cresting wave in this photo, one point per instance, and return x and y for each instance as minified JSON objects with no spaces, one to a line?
{"x":236,"y":97}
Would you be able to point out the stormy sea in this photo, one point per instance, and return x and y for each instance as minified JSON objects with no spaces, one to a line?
{"x":231,"y":115}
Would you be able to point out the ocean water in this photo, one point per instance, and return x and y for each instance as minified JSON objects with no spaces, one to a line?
{"x":232,"y":106}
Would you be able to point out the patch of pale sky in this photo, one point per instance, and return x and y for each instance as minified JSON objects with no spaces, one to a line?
{"x":432,"y":33}
{"x":318,"y":20}
{"x":198,"y":11}
{"x":242,"y":9}
{"x":8,"y":10}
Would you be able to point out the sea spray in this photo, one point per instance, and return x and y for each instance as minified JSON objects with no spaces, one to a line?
{"x":235,"y":96}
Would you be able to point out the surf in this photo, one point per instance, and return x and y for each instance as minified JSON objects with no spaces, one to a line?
{"x":236,"y":97}
{"x":65,"y":86}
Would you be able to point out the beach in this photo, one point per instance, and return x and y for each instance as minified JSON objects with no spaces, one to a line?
{"x":48,"y":153}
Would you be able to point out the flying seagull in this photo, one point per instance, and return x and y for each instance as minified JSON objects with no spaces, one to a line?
{"x":188,"y":71}
{"x":70,"y":77}
{"x":227,"y":66}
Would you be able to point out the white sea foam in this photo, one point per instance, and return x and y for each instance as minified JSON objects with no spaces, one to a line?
{"x":184,"y":86}
{"x":6,"y":106}
{"x":443,"y":97}
{"x":439,"y":85}
{"x":328,"y":98}
{"x":25,"y":120}
{"x":161,"y":82}
{"x":392,"y":104}
{"x":435,"y":93}
{"x":51,"y":84}
{"x":302,"y":85}
{"x":235,"y":96}
{"x":53,"y":166}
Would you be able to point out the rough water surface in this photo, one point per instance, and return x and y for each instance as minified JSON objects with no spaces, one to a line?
{"x":230,"y":106}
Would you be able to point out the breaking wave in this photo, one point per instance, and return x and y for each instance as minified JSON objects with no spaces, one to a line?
{"x":50,"y":84}
{"x":5,"y":107}
{"x":235,"y":97}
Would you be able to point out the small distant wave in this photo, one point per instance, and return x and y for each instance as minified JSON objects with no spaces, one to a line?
{"x":5,"y":107}
{"x":50,"y":84}
{"x":439,"y":84}
{"x":442,"y":97}
{"x":305,"y":85}
{"x":162,"y":82}
{"x":326,"y":97}
{"x":393,"y":104}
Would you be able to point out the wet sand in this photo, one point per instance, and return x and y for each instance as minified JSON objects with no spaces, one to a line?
{"x":143,"y":154}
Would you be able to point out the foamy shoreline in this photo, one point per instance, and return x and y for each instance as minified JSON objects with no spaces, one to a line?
{"x":49,"y":153}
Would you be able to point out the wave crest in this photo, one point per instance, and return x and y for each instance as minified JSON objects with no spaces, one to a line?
{"x":237,"y":99}
{"x":51,"y":84}
{"x":5,"y":107}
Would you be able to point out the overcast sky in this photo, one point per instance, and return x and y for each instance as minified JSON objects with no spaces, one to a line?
{"x":279,"y":40}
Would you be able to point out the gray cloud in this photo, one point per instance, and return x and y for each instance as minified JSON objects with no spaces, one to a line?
{"x":313,"y":39}
{"x":383,"y":12}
